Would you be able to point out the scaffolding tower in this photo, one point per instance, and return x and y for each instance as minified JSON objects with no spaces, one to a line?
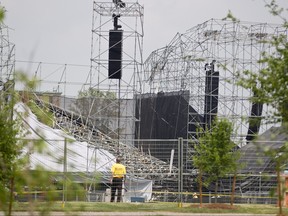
{"x":128,"y":17}
{"x":7,"y":60}
{"x":230,"y":47}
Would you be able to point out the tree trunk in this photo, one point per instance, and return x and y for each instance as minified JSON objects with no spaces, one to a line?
{"x":233,"y":190}
{"x":200,"y":188}
{"x":216,"y":191}
{"x":279,"y":192}
{"x":11,"y":196}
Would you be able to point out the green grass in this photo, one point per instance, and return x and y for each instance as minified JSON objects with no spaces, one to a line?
{"x":149,"y":207}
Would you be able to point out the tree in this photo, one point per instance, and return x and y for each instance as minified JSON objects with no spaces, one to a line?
{"x":270,"y":86}
{"x":15,"y":150}
{"x":215,"y":157}
{"x":101,"y":107}
{"x":270,"y":83}
{"x":200,"y":163}
{"x":9,"y":152}
{"x":279,"y":157}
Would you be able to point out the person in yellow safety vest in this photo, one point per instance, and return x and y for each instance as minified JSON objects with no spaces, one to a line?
{"x":118,"y":177}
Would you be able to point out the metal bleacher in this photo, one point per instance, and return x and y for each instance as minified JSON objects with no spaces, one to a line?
{"x":82,"y":129}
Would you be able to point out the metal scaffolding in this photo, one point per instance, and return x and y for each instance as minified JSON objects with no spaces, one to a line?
{"x":7,"y":59}
{"x":83,"y":129}
{"x":231,"y":47}
{"x":130,"y":21}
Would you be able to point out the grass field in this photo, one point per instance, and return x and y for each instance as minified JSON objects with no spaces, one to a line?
{"x":148,"y":207}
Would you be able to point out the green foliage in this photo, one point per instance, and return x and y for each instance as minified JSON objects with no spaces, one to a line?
{"x":159,"y":208}
{"x":215,"y":156}
{"x":44,"y":115}
{"x":93,"y":92}
{"x":10,"y":146}
{"x":9,"y":152}
{"x":279,"y":156}
{"x":15,"y":151}
{"x":270,"y":84}
{"x":93,"y":102}
{"x":2,"y":14}
{"x":100,"y":106}
{"x":8,"y":143}
{"x":276,"y":10}
{"x":29,"y":83}
{"x":15,"y":155}
{"x":215,"y":150}
{"x":231,"y":17}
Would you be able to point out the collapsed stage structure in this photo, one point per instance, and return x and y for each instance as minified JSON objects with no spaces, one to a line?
{"x":179,"y":88}
{"x":193,"y":79}
{"x":202,"y":65}
{"x":205,"y":61}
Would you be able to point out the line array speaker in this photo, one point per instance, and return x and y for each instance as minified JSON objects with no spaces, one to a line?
{"x":211,"y":97}
{"x":115,"y":54}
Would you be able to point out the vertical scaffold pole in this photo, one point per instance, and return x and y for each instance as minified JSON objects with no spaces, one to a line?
{"x":64,"y":190}
{"x":180,"y":171}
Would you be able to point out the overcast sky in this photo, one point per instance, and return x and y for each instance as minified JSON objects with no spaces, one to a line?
{"x":59,"y":31}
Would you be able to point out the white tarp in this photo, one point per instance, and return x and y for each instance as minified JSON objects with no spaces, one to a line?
{"x":80,"y":157}
{"x":138,"y":188}
{"x":133,"y":187}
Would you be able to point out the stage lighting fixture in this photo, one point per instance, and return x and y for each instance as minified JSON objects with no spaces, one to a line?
{"x":119,"y":3}
{"x":115,"y":17}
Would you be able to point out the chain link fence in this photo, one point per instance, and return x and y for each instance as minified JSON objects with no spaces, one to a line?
{"x":168,"y":166}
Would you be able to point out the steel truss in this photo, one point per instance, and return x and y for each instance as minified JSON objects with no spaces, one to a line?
{"x":130,"y":18}
{"x":233,"y":46}
{"x":7,"y":60}
{"x":180,"y":66}
{"x":138,"y":164}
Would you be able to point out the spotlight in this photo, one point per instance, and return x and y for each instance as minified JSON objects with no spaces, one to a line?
{"x":115,"y":17}
{"x":119,"y":3}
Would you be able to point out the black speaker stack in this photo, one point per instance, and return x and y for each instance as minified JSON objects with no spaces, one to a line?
{"x":115,"y":54}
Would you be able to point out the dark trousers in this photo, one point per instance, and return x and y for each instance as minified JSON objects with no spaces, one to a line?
{"x":116,"y":185}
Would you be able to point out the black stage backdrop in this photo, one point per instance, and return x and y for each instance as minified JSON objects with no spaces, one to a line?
{"x":162,"y":115}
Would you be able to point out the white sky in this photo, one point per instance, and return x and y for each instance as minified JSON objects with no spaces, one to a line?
{"x":59,"y":31}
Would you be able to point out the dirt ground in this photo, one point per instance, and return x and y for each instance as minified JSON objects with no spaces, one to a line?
{"x":214,"y":206}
